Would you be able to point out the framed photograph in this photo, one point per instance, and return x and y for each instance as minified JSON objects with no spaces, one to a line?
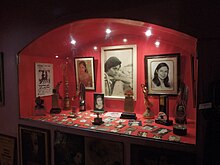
{"x":2,"y":89}
{"x":99,"y":102}
{"x":44,"y":79}
{"x":7,"y":150}
{"x":84,"y":71}
{"x":162,"y":74}
{"x":119,"y":70}
{"x":34,"y":145}
{"x":68,"y":149}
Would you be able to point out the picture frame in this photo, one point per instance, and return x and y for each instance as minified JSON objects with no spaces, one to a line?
{"x":44,"y":79}
{"x":8,"y":154}
{"x":99,"y":102}
{"x":84,"y":72}
{"x":34,"y":145}
{"x":162,"y":74}
{"x":68,"y":148}
{"x":2,"y":88}
{"x":123,"y":60}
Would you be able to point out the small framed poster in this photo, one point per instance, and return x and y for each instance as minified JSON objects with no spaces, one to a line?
{"x":7,"y":150}
{"x":44,"y":79}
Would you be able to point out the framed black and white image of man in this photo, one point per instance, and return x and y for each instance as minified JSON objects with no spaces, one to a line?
{"x":118,"y":70}
{"x":162,"y":74}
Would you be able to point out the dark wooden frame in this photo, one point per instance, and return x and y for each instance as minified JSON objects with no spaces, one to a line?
{"x":32,"y":139}
{"x":91,"y":70}
{"x":2,"y":88}
{"x":173,"y":61}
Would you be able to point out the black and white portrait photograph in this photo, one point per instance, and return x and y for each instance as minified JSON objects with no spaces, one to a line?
{"x":162,"y":74}
{"x":98,"y":102}
{"x":118,"y":70}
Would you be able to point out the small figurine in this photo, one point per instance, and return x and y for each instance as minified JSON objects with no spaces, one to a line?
{"x":39,"y":107}
{"x":148,"y":113}
{"x":55,"y":99}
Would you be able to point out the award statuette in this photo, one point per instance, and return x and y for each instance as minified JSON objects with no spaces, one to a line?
{"x":55,"y":100}
{"x":82,"y":97}
{"x":129,"y":102}
{"x":97,"y":120}
{"x":148,"y":114}
{"x":66,"y":100}
{"x":163,"y":115}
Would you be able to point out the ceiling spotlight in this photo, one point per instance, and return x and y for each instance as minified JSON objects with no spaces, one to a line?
{"x":125,"y":40}
{"x":56,"y":56}
{"x":148,"y":33}
{"x":108,"y":31}
{"x":157,"y":43}
{"x":95,"y":48}
{"x":73,"y":42}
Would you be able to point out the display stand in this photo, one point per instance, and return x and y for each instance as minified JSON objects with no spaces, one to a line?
{"x":163,"y":115}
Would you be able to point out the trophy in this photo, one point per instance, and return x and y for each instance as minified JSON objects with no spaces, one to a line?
{"x":66,"y":101}
{"x":148,"y":114}
{"x":82,"y":97}
{"x":55,"y":99}
{"x":97,"y":120}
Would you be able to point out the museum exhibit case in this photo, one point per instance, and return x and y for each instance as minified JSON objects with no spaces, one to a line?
{"x":118,"y":81}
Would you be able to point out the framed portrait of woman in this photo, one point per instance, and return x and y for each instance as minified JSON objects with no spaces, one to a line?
{"x":162,"y":74}
{"x":84,"y":72}
{"x":119,"y":70}
{"x":99,"y":102}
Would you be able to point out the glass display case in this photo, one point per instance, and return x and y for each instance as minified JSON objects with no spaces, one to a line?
{"x":69,"y":66}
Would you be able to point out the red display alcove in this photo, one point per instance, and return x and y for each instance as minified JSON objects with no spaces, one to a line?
{"x":55,"y":48}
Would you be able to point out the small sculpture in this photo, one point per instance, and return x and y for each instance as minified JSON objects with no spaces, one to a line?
{"x":148,"y":113}
{"x":39,"y":107}
{"x":55,"y":99}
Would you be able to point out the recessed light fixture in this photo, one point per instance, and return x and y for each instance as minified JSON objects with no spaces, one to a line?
{"x":95,"y":48}
{"x":108,"y":31}
{"x":73,"y":42}
{"x":157,"y":43}
{"x":148,"y":33}
{"x":56,"y":56}
{"x":125,"y":40}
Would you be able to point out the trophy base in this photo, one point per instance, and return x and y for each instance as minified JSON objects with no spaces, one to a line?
{"x":97,"y":121}
{"x":164,"y":122}
{"x":148,"y":114}
{"x":55,"y":110}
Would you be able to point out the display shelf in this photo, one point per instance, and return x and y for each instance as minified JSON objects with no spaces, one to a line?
{"x":140,"y":128}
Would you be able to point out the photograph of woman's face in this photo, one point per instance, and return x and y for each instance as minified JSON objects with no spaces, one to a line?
{"x":82,"y":68}
{"x":162,"y":72}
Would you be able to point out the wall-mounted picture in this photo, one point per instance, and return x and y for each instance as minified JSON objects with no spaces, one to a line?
{"x":98,"y":102}
{"x":8,"y":150}
{"x":162,"y":74}
{"x":34,"y":145}
{"x":68,"y":149}
{"x":2,"y":95}
{"x":103,"y":152}
{"x":84,"y":71}
{"x":119,"y":70}
{"x":44,"y":79}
